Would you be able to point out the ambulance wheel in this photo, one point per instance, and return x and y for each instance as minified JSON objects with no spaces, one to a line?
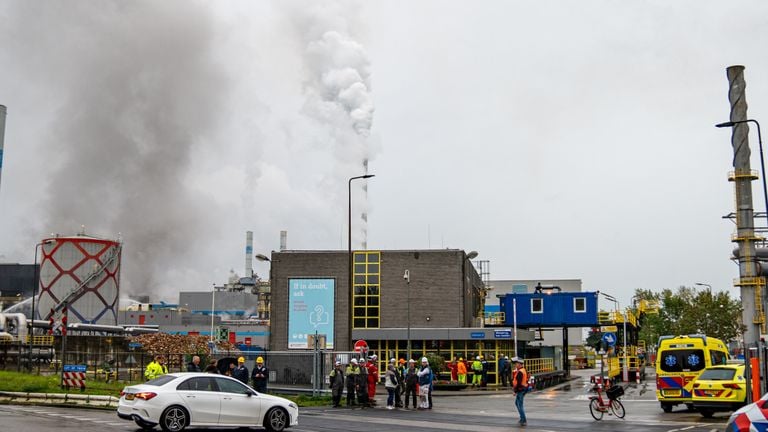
{"x":666,"y":407}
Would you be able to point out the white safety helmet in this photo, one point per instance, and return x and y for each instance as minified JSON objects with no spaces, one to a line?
{"x":393,"y":360}
{"x":424,"y":360}
{"x":353,"y":361}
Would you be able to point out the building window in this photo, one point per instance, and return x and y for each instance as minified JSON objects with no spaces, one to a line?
{"x":367,"y":274}
{"x":579,"y":304}
{"x":537,"y":306}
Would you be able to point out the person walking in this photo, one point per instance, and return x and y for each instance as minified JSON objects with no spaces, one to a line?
{"x":336,"y":382}
{"x":241,"y":372}
{"x":352,"y":373}
{"x":461,"y":369}
{"x":194,"y":365}
{"x":411,"y":382}
{"x":425,"y":376}
{"x":477,"y":371}
{"x":520,"y":387}
{"x":260,"y":376}
{"x":485,"y":366}
{"x":155,"y":368}
{"x":390,"y":382}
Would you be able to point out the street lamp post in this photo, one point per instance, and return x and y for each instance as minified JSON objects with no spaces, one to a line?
{"x":36,"y":281}
{"x":762,"y":161}
{"x":709,"y":287}
{"x":407,"y":277}
{"x":349,"y":249}
{"x":213,"y":307}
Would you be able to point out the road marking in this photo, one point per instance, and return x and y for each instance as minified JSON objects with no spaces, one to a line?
{"x":683,"y":429}
{"x":420,"y":424}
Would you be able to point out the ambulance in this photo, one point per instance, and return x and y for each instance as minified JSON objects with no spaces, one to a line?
{"x":679,"y":361}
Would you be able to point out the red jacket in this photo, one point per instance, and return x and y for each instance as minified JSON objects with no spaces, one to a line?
{"x":373,"y":378}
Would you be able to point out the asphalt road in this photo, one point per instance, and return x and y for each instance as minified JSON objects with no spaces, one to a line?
{"x":561,"y":409}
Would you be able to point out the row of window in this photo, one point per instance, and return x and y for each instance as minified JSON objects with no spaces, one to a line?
{"x":366,"y":292}
{"x":579,"y":305}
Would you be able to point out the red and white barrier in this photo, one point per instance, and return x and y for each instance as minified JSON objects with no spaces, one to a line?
{"x":74,"y":379}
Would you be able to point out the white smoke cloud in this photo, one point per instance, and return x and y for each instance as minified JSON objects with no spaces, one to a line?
{"x":338,"y":92}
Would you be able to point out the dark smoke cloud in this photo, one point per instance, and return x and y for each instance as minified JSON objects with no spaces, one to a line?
{"x":137,"y":91}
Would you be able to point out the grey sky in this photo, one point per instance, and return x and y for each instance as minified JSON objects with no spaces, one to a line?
{"x":558,"y":139}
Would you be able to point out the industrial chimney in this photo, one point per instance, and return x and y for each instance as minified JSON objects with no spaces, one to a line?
{"x":3,"y":111}
{"x":249,"y":254}
{"x":283,"y":240}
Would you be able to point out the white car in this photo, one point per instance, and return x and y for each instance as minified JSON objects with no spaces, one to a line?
{"x":179,"y":400}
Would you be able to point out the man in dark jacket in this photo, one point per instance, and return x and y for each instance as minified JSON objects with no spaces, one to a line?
{"x":337,"y":384}
{"x":194,"y":365}
{"x":241,"y":372}
{"x":411,"y":379}
{"x":260,"y":376}
{"x":353,"y":371}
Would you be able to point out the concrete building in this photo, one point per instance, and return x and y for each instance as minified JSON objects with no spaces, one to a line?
{"x":435,"y":296}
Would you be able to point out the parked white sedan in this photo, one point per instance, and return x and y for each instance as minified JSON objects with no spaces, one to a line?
{"x":176,"y":401}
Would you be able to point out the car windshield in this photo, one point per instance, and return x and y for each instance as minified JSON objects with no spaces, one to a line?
{"x":161,"y":380}
{"x":719,"y":374}
{"x":678,"y":360}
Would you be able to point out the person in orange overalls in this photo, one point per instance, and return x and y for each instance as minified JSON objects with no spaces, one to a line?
{"x":461,"y":369}
{"x":373,"y":378}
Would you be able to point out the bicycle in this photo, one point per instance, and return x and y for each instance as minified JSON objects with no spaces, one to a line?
{"x":598,"y":406}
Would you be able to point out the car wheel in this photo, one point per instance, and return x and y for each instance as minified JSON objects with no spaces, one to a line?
{"x":707,"y":413}
{"x":144,"y":425}
{"x":174,"y":419}
{"x":666,"y":407}
{"x":276,"y":420}
{"x":690,"y":407}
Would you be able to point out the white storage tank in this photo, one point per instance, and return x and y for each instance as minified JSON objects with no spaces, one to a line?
{"x":84,"y":271}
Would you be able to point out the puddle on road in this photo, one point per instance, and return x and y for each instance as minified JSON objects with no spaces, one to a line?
{"x":566,"y":387}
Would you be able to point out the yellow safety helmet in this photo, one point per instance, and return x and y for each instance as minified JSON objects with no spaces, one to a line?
{"x":259,"y":360}
{"x":241,"y":360}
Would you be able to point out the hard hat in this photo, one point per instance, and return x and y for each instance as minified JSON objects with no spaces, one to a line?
{"x":373,"y":357}
{"x":353,"y":361}
{"x":424,"y":360}
{"x":481,"y":357}
{"x":241,"y":360}
{"x":337,"y":363}
{"x":477,"y":358}
{"x":393,"y":360}
{"x":259,"y":360}
{"x":517,"y":360}
{"x":461,"y":358}
{"x":411,"y":361}
{"x":402,"y":361}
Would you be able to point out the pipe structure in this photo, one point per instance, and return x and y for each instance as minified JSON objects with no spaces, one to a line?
{"x":745,"y":224}
{"x":3,"y":113}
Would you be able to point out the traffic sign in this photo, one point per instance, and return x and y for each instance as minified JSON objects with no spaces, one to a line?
{"x":609,"y":339}
{"x":361,"y":346}
{"x":612,"y":329}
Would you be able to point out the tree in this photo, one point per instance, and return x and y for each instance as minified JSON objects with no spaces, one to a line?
{"x":688,"y":311}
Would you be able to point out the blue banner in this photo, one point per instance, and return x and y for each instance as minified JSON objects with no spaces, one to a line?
{"x":310,"y":311}
{"x":477,"y":335}
{"x":74,"y":368}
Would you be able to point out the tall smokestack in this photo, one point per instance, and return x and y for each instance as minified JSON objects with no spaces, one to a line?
{"x":745,"y":225}
{"x":249,"y":254}
{"x":283,"y":240}
{"x":3,"y":112}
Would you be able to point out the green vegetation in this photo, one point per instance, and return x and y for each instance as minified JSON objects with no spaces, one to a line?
{"x":688,"y":310}
{"x":31,"y":383}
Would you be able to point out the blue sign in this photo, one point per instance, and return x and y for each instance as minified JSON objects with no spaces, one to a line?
{"x":134,"y":345}
{"x":310,"y":311}
{"x":609,"y":339}
{"x":477,"y":335}
{"x":502,"y":334}
{"x":74,"y":368}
